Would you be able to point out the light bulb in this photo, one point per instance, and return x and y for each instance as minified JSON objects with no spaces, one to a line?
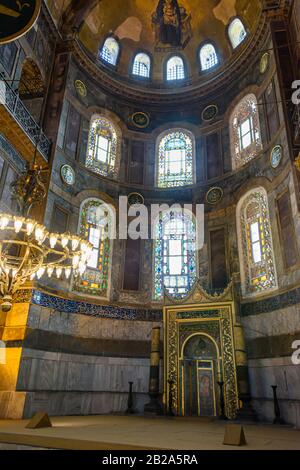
{"x":82,"y":268}
{"x":14,"y":272}
{"x":32,"y":276}
{"x":39,"y":234}
{"x":58,"y":272}
{"x":84,"y":247}
{"x":18,"y":225}
{"x":50,"y":271}
{"x":4,"y":222}
{"x":40,"y":272}
{"x":53,"y":240}
{"x":29,"y":228}
{"x":64,"y":241}
{"x":68,"y":272}
{"x":75,"y":243}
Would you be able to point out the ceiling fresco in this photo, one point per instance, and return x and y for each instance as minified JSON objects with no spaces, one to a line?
{"x":137,"y":22}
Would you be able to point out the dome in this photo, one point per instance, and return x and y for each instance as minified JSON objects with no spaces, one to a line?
{"x":139,"y":27}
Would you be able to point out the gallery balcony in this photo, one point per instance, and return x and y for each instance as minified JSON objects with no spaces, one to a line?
{"x":20,"y":128}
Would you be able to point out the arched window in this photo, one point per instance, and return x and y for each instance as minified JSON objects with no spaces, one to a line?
{"x":237,"y":32}
{"x":175,"y":69}
{"x":103,"y":147}
{"x":258,"y":271}
{"x":141,"y":65}
{"x":96,"y":225}
{"x":110,"y":51}
{"x":245,"y":133}
{"x":174,"y":253}
{"x":208,"y":57}
{"x":175,"y":159}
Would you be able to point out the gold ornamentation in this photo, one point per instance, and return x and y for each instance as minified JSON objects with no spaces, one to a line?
{"x":264,"y":63}
{"x":80,"y":88}
{"x":214,"y":195}
{"x":140,"y":120}
{"x":182,"y":321}
{"x":209,"y":113}
{"x":29,"y":190}
{"x":199,"y":295}
{"x":297,"y":162}
{"x":28,"y":250}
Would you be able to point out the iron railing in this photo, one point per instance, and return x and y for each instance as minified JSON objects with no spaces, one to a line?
{"x":12,"y":102}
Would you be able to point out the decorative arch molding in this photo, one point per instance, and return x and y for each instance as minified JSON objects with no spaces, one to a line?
{"x":165,"y":128}
{"x":255,"y":244}
{"x":88,"y":194}
{"x":249,"y":90}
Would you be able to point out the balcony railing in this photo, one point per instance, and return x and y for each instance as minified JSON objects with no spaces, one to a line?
{"x":15,"y":106}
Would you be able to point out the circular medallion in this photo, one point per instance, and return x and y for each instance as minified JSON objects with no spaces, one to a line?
{"x":209,"y":113}
{"x":140,"y":120}
{"x":135,"y":199}
{"x":16,"y":18}
{"x":276,"y":156}
{"x":214,"y":196}
{"x":67,"y":175}
{"x":264,"y":63}
{"x":80,"y":88}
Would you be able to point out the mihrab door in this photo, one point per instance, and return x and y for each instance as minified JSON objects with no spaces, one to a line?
{"x":198,"y":393}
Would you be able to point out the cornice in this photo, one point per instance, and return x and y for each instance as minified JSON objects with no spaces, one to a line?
{"x":192,"y":91}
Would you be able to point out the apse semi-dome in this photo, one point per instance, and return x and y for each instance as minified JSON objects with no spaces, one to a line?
{"x":205,"y":34}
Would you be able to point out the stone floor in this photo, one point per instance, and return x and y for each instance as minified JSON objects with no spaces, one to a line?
{"x":134,"y":432}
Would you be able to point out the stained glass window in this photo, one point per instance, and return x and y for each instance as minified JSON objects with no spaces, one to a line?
{"x":258,"y":270}
{"x":103,"y":147}
{"x":245,"y":131}
{"x":176,"y":151}
{"x":175,"y":255}
{"x":175,"y":69}
{"x":237,"y":32}
{"x":208,"y":57}
{"x":95,"y":226}
{"x":110,"y":51}
{"x":141,"y":65}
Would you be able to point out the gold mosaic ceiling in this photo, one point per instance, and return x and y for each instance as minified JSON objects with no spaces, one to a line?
{"x":131,"y":21}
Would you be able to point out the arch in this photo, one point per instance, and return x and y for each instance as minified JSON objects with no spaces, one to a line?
{"x":245,"y":133}
{"x":110,"y":50}
{"x":175,"y":69}
{"x":175,"y":158}
{"x":141,"y":65}
{"x":206,"y":335}
{"x":236,"y":32}
{"x":255,"y":241}
{"x":97,"y":224}
{"x":104,"y":147}
{"x":208,"y":56}
{"x":175,"y":256}
{"x":32,"y":88}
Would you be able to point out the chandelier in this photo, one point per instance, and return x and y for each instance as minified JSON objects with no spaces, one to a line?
{"x":28,"y":251}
